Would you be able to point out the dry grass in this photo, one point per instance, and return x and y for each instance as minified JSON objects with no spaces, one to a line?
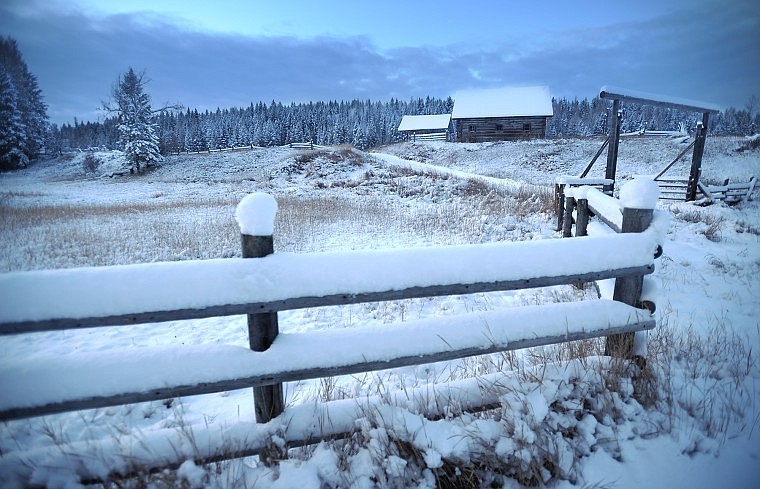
{"x":713,"y":224}
{"x":62,"y":236}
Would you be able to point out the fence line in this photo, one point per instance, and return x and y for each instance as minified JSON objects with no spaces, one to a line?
{"x":266,"y":283}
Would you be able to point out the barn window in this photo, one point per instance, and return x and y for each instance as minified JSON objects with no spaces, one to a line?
{"x":526,"y":126}
{"x":473,"y":128}
{"x":499,"y":127}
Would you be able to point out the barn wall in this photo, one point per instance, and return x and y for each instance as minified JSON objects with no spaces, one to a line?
{"x":499,"y":129}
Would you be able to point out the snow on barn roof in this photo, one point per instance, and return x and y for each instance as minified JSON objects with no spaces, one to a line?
{"x":424,"y":122}
{"x":502,"y":102}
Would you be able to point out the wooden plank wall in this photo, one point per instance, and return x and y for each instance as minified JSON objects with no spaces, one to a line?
{"x":426,"y":135}
{"x":499,"y":129}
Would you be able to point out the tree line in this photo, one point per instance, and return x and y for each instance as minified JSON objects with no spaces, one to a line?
{"x":365,"y":124}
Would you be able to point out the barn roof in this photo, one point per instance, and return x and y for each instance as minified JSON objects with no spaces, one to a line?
{"x":502,"y":102}
{"x":424,"y":122}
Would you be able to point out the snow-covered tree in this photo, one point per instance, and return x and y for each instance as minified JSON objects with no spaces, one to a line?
{"x":11,"y":126}
{"x":137,"y":128}
{"x":31,"y":127}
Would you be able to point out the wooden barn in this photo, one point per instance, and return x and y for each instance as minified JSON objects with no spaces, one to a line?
{"x":425,"y":127}
{"x":501,"y":114}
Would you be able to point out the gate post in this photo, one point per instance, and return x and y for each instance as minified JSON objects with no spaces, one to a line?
{"x":696,"y":157}
{"x":612,"y":148}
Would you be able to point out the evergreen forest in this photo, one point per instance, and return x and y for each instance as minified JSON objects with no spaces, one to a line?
{"x":365,"y":124}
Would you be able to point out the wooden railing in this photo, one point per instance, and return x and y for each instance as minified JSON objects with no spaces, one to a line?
{"x":268,"y":282}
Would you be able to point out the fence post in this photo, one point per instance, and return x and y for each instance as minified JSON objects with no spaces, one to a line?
{"x":628,"y":289}
{"x":255,"y":216}
{"x":581,"y":222}
{"x":567,"y":225}
{"x":559,"y":203}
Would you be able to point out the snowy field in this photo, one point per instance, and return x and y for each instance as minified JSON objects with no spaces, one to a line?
{"x":563,"y":420}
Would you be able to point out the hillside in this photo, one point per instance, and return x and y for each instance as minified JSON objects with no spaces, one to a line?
{"x":562,"y":423}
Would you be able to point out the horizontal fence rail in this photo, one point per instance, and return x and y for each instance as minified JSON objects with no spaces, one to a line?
{"x":129,"y":294}
{"x":161,"y":373}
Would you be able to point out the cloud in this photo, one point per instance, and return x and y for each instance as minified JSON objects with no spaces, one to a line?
{"x":704,"y":53}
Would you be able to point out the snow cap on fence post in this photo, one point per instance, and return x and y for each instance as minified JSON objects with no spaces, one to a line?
{"x":255,"y":214}
{"x":639,"y":193}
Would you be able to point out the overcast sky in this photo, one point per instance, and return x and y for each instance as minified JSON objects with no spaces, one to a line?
{"x":223,"y":53}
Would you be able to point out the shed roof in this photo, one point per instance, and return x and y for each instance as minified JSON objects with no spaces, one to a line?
{"x":424,"y":122}
{"x":503,"y":102}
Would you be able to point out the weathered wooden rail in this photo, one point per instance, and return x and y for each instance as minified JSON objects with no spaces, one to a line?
{"x":268,"y":282}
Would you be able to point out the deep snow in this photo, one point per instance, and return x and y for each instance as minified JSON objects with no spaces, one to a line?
{"x":708,"y":283}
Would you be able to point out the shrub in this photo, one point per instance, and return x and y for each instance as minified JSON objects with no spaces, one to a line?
{"x":91,"y":163}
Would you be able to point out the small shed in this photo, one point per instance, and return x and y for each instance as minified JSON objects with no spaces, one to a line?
{"x":501,"y":114}
{"x":425,"y":127}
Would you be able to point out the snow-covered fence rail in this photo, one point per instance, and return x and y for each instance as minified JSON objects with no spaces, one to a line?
{"x":268,"y":282}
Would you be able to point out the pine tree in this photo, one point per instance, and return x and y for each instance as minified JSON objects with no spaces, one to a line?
{"x":137,"y":129}
{"x":12,"y":132}
{"x":31,"y":110}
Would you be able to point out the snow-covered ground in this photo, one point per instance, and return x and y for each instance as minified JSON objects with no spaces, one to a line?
{"x":559,"y":420}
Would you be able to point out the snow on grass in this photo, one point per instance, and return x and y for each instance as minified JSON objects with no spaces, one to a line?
{"x":692,"y":424}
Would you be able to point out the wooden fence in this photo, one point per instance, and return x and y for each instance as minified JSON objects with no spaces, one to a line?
{"x":263,"y":283}
{"x":307,"y":145}
{"x":214,"y":150}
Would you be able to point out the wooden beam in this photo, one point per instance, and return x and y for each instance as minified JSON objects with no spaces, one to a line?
{"x":680,"y":155}
{"x":656,"y":100}
{"x":596,"y":157}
